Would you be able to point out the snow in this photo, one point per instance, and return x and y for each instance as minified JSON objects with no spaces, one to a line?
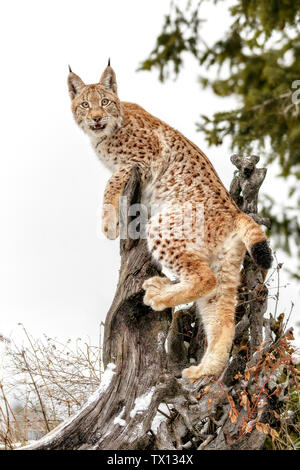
{"x":159,"y":418}
{"x":105,"y":381}
{"x":118,"y":419}
{"x":183,"y":307}
{"x":107,"y":376}
{"x":142,"y":402}
{"x":18,"y":444}
{"x":162,"y":341}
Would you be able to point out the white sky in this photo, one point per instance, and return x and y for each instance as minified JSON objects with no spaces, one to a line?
{"x":56,"y":275}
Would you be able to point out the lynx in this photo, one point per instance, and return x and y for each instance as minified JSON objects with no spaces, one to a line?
{"x":174,"y":172}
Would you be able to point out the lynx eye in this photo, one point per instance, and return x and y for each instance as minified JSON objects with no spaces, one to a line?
{"x":85,"y":104}
{"x":105,"y":102}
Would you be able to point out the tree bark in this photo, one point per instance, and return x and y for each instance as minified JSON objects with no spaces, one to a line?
{"x":142,"y":403}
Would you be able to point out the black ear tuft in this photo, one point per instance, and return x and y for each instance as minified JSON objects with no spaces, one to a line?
{"x":70,"y":70}
{"x":108,"y":63}
{"x":262,"y":255}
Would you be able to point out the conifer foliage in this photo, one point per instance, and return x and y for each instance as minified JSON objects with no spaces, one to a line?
{"x":257,"y":61}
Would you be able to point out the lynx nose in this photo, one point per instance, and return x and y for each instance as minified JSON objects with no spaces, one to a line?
{"x":97,"y":118}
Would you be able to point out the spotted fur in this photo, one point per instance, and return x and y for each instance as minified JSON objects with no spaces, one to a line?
{"x":174,"y":171}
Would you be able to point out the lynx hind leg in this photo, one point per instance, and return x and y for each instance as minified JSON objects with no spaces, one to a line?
{"x":219,"y":328}
{"x":195,"y":275}
{"x":217,"y":311}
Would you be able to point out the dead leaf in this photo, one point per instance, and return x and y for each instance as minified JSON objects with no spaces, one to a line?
{"x":274,"y":433}
{"x":244,"y":400}
{"x":233,"y":414}
{"x":259,"y":427}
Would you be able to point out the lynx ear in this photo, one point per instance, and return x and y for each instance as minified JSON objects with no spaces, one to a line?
{"x":108,"y":79}
{"x":75,"y":84}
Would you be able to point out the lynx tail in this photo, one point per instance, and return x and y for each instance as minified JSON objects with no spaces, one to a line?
{"x":255,"y":241}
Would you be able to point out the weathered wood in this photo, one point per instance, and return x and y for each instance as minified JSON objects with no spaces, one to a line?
{"x":253,"y":292}
{"x":144,"y":352}
{"x":134,"y":341}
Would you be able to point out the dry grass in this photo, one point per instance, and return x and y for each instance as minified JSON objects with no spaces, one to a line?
{"x":44,"y":382}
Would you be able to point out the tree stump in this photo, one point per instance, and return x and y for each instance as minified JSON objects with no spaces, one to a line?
{"x":142,"y":403}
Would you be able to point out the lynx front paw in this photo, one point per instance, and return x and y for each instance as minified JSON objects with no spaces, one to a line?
{"x":110,"y":224}
{"x":154,"y":287}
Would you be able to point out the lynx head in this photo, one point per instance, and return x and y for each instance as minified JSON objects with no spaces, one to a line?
{"x":96,"y":108}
